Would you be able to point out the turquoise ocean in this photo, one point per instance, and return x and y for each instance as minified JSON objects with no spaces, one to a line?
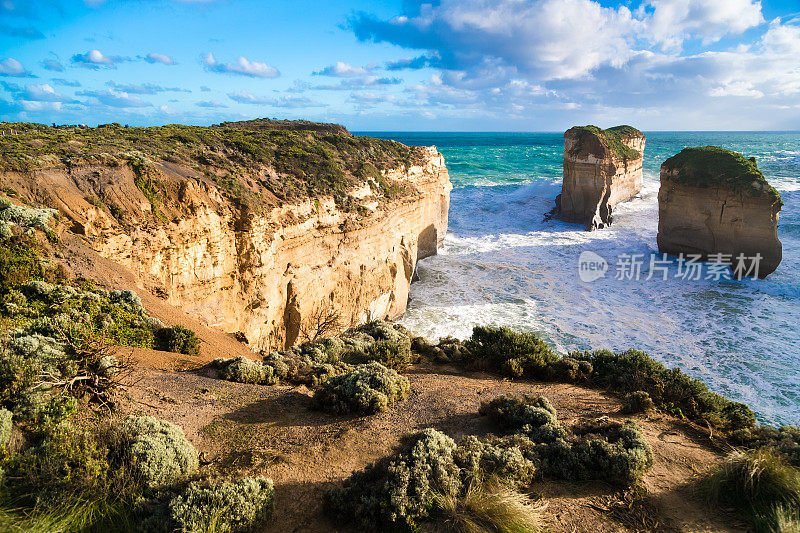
{"x":503,"y":263}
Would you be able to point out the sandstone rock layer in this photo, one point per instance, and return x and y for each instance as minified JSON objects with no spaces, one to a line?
{"x":601,"y":169}
{"x":714,"y":201}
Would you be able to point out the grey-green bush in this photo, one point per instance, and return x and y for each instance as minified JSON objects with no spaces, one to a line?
{"x":314,"y":363}
{"x":397,"y":492}
{"x":608,"y":451}
{"x":158,"y":451}
{"x":177,"y":339}
{"x":244,"y":370}
{"x":601,"y":450}
{"x":5,"y":427}
{"x":509,"y":352}
{"x":533,"y":416}
{"x":221,"y":507}
{"x":637,"y":402}
{"x":368,"y":389}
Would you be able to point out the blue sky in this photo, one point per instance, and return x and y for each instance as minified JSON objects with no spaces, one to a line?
{"x":453,"y":65}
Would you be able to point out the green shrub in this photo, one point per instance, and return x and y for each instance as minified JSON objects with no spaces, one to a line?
{"x":637,"y":402}
{"x":177,"y":339}
{"x":784,"y":440}
{"x":368,"y":389}
{"x":670,"y":389}
{"x":509,"y":352}
{"x":535,"y":417}
{"x":488,"y":506}
{"x":609,"y":451}
{"x":5,"y":427}
{"x":157,"y":450}
{"x":244,"y":370}
{"x":68,"y":460}
{"x":222,"y":507}
{"x":312,"y":363}
{"x":761,"y":484}
{"x":380,"y":341}
{"x":397,"y":492}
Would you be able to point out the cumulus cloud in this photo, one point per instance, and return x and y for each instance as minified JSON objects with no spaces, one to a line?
{"x":94,"y":59}
{"x":13,"y":68}
{"x":242,"y":67}
{"x":342,"y":70}
{"x":549,"y":38}
{"x":673,"y":21}
{"x":155,"y":57}
{"x":144,"y":88}
{"x":44,"y":93}
{"x":117,"y":99}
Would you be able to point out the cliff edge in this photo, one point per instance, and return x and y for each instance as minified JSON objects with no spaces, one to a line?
{"x":260,"y":228}
{"x":715,"y":201}
{"x":601,"y":169}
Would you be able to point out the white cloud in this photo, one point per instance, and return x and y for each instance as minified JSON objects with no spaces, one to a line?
{"x":244,"y":97}
{"x":95,"y":59}
{"x":242,"y":67}
{"x":342,"y":70}
{"x":550,"y":39}
{"x":673,"y":21}
{"x":44,"y":93}
{"x":155,"y":57}
{"x":12,"y":67}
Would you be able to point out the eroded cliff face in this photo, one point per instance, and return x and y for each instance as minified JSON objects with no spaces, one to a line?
{"x":261,"y":270}
{"x":714,"y":217}
{"x":601,"y":169}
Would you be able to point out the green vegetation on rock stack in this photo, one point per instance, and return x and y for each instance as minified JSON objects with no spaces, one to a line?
{"x":613,"y":138}
{"x":310,"y":158}
{"x":709,"y":166}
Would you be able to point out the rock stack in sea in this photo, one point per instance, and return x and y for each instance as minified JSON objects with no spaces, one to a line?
{"x":715,"y":201}
{"x":601,"y":169}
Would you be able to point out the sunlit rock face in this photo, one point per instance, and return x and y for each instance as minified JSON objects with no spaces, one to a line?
{"x":714,"y":201}
{"x":601,"y":169}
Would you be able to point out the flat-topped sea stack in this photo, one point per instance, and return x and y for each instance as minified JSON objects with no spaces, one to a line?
{"x":715,"y":201}
{"x":601,"y":169}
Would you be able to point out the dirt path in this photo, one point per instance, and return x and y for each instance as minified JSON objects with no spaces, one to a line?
{"x":269,"y":430}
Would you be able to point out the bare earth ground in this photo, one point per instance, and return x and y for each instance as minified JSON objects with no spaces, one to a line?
{"x":270,"y":430}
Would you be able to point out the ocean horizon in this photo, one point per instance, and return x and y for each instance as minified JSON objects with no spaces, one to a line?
{"x":503,"y":263}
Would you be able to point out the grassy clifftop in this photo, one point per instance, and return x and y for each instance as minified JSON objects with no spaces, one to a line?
{"x":611,"y":138}
{"x":709,"y":166}
{"x":311,"y":158}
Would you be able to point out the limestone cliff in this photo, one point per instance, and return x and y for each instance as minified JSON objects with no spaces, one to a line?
{"x":252,"y":230}
{"x":601,"y":169}
{"x":714,"y":201}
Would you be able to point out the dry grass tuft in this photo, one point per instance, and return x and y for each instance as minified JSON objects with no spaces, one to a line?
{"x":486,"y":507}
